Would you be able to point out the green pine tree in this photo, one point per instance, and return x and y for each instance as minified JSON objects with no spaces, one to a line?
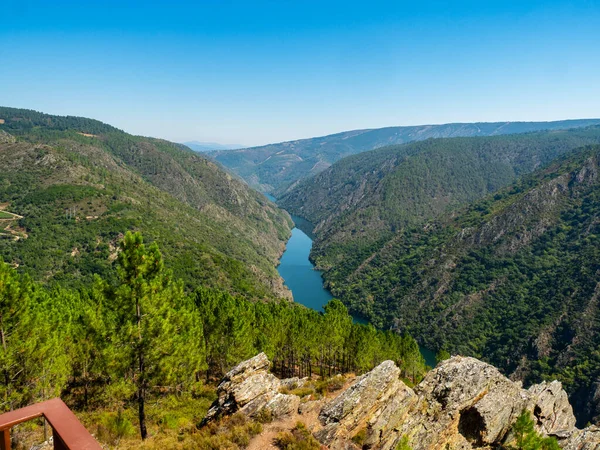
{"x":155,"y":328}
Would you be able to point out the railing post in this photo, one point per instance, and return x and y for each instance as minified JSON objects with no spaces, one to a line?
{"x":68,"y":433}
{"x":5,"y":439}
{"x":58,"y":442}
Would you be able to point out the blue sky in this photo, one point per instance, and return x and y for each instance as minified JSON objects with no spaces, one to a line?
{"x":256,"y":72}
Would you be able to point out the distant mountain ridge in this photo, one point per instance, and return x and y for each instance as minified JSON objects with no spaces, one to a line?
{"x":210,"y":146}
{"x":276,"y":168}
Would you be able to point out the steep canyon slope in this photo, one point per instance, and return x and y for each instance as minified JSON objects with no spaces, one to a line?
{"x":77,"y":184}
{"x":512,"y":278}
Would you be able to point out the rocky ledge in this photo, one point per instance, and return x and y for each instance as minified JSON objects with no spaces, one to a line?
{"x":461,"y":404}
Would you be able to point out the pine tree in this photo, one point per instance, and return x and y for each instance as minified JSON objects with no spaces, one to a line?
{"x":526,"y":437}
{"x":153,"y":323}
{"x":228,"y":329}
{"x":442,"y":355}
{"x":14,"y":302}
{"x":336,"y":329}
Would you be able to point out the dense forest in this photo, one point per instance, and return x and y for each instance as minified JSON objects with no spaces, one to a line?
{"x":76,"y":185}
{"x":138,"y":339}
{"x":368,"y":197}
{"x":277,"y":168}
{"x":513,"y":278}
{"x":362,"y":203}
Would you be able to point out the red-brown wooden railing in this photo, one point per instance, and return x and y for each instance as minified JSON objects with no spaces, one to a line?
{"x":67,"y":432}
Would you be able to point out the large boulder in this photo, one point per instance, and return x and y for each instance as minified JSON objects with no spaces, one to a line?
{"x":359,"y":404}
{"x":465,"y":403}
{"x":283,"y":405}
{"x":550,"y":406}
{"x":247,"y":388}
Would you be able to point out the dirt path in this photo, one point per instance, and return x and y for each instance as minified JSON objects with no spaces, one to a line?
{"x":9,"y":221}
{"x":270,"y":430}
{"x":310,"y":419}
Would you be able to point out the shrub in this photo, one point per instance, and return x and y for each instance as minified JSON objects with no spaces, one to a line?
{"x":330,"y":385}
{"x":233,"y":432}
{"x":526,"y":438}
{"x":299,"y":439}
{"x":114,"y":427}
{"x":403,"y":444}
{"x":264,"y":416}
{"x":360,"y":437}
{"x":303,"y":391}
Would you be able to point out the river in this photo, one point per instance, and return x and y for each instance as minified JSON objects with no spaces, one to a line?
{"x":305,"y":281}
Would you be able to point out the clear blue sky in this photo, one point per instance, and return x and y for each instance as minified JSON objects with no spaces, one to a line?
{"x":254,"y":72}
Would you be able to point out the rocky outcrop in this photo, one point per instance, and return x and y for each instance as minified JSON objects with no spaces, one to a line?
{"x":465,"y":403}
{"x":350,"y":411}
{"x":283,"y":405}
{"x":6,"y":138}
{"x":588,"y":439}
{"x":551,"y":408}
{"x":462,"y":404}
{"x":247,"y":388}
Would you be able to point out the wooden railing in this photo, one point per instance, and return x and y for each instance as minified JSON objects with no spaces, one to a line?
{"x":67,"y":432}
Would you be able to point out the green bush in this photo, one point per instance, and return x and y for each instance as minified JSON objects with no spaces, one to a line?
{"x":526,"y":438}
{"x":115,"y":427}
{"x":298,"y":439}
{"x":359,"y":438}
{"x":403,"y":444}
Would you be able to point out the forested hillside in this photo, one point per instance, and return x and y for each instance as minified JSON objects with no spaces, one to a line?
{"x":70,"y":187}
{"x":277,"y":168}
{"x":362,"y":201}
{"x":136,"y":348}
{"x":513,"y":278}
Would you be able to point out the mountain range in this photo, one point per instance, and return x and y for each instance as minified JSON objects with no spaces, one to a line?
{"x":210,"y":146}
{"x":276,"y":168}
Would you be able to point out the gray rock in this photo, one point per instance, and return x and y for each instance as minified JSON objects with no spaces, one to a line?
{"x":465,"y":403}
{"x":350,"y":411}
{"x":248,"y":388}
{"x":310,"y":406}
{"x":283,"y":405}
{"x":588,"y":439}
{"x":293,"y":383}
{"x":462,"y":404}
{"x":551,"y":408}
